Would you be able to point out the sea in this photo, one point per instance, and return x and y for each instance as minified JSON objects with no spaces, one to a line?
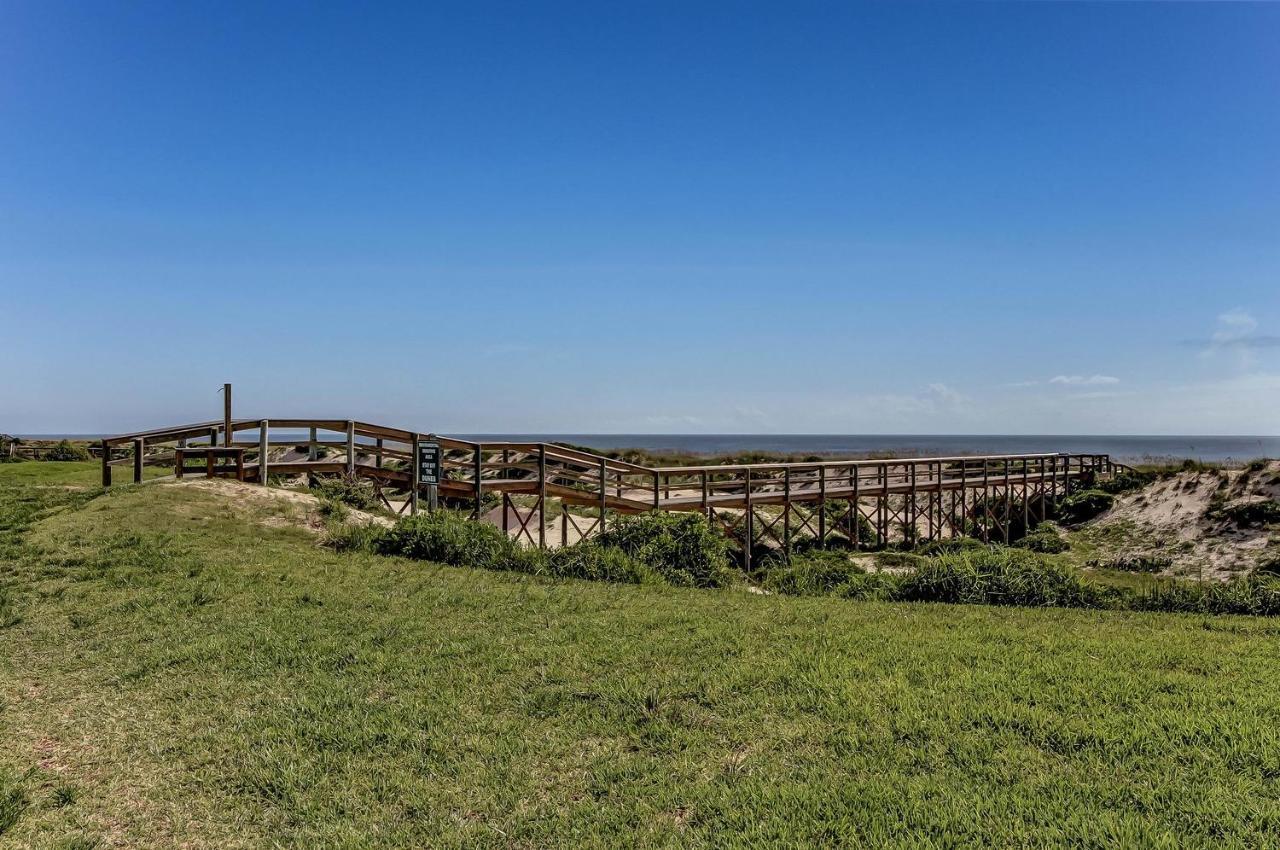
{"x":1126,"y":448}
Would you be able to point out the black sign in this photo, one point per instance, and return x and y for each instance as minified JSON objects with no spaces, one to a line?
{"x":428,"y":463}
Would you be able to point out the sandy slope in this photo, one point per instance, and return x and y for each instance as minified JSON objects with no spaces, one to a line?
{"x":1172,"y":518}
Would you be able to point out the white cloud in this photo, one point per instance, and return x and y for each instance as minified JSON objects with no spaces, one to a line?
{"x":1084,"y":380}
{"x":1236,"y":332}
{"x":1234,"y":326}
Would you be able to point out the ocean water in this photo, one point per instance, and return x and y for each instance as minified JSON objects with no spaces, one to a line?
{"x":1126,"y":449}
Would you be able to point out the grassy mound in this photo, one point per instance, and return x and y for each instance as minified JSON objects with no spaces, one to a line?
{"x":181,"y":674}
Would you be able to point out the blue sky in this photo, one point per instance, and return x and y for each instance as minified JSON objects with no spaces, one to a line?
{"x":523,"y":217}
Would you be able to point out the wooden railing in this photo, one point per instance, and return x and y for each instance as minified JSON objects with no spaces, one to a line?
{"x":926,"y":497}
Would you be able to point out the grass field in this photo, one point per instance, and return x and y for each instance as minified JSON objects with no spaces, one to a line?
{"x":178,"y":670}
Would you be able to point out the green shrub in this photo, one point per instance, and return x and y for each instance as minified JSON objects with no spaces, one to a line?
{"x":955,"y":544}
{"x":998,"y":577}
{"x":1134,"y":563}
{"x":681,"y":547}
{"x":66,"y":450}
{"x":590,"y":560}
{"x":816,"y":573}
{"x":351,"y":490}
{"x":355,"y":537}
{"x":1251,"y":513}
{"x":1270,"y":566}
{"x":1084,"y":505}
{"x":449,"y":538}
{"x":1252,"y":595}
{"x":1044,"y":539}
{"x":1126,"y":481}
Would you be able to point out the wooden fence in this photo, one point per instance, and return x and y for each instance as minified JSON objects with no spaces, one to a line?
{"x":857,"y":503}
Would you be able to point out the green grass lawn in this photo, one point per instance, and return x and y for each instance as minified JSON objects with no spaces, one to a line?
{"x":179,"y":671}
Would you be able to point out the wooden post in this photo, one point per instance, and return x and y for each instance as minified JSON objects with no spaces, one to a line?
{"x":413,"y":476}
{"x":1026,"y":499}
{"x":657,"y":493}
{"x":542,"y":495}
{"x":750,"y":523}
{"x":477,"y":470}
{"x":312,"y":450}
{"x":913,"y":511}
{"x":226,"y":414}
{"x":986,"y":501}
{"x":604,"y":494}
{"x":1008,"y":502}
{"x":822,"y":507}
{"x":941,"y":506}
{"x":706,"y":509}
{"x":351,"y":448}
{"x":882,"y":509}
{"x":106,"y":464}
{"x":506,"y":511}
{"x":786,"y":513}
{"x":264,"y":449}
{"x":855,"y":511}
{"x":380,"y":445}
{"x":139,"y":449}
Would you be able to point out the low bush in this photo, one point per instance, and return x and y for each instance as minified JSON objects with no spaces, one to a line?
{"x":590,"y":560}
{"x":998,"y":577}
{"x":1248,"y":514}
{"x":956,"y":544}
{"x":1270,"y":566}
{"x":1253,"y":595}
{"x":351,"y":490}
{"x":1134,"y":563}
{"x":355,"y":537}
{"x":1045,"y":539}
{"x":681,"y":547}
{"x":66,"y":450}
{"x":1127,"y":481}
{"x":1084,"y":505}
{"x":815,"y":573}
{"x":449,"y":538}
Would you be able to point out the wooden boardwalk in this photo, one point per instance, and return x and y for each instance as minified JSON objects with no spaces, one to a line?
{"x":859,"y":503}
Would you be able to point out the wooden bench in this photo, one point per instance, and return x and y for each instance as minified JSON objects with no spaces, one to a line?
{"x":233,"y":455}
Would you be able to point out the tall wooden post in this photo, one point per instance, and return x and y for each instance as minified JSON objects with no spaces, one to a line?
{"x":822,"y":507}
{"x":351,"y":448}
{"x":882,"y":509}
{"x":1026,"y":498}
{"x":312,"y":450}
{"x":786,"y":513}
{"x":750,"y":524}
{"x":226,"y":414}
{"x":1008,"y":502}
{"x":413,"y":476}
{"x":604,"y":494}
{"x":264,"y":449}
{"x":106,"y":464}
{"x":855,"y":511}
{"x":380,"y":446}
{"x":139,"y":450}
{"x":542,"y":495}
{"x":477,"y":469}
{"x":986,"y":501}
